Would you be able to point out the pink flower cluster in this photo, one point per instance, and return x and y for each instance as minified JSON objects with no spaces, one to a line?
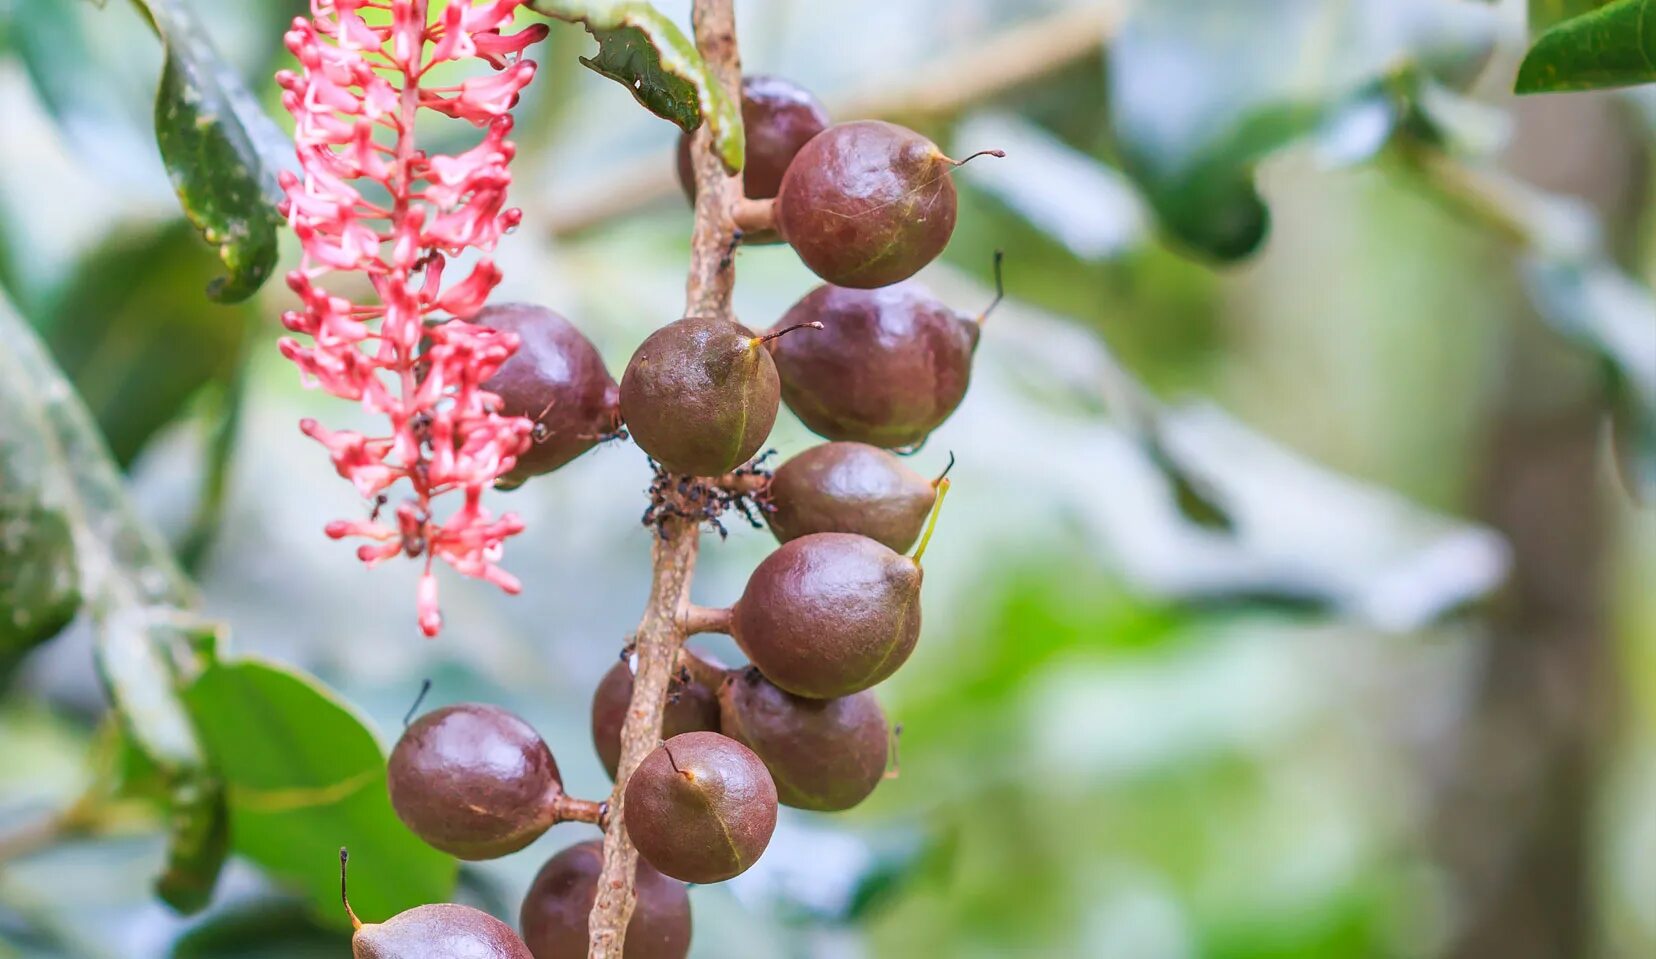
{"x":370,"y":202}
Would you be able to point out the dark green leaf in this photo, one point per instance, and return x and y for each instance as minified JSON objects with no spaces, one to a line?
{"x":1613,"y":46}
{"x":148,"y":641}
{"x":136,"y":339}
{"x":1202,"y":90}
{"x":39,"y":585}
{"x":221,"y":150}
{"x":306,"y":777}
{"x":640,"y":48}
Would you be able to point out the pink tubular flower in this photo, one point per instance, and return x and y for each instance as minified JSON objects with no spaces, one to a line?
{"x":369,"y":201}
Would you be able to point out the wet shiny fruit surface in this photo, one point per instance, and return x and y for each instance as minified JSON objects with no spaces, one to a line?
{"x":824,"y":754}
{"x":887,"y":367}
{"x":474,"y":781}
{"x":829,"y":614}
{"x":690,"y":707}
{"x":867,"y":204}
{"x":555,"y":910}
{"x":557,"y":379}
{"x":700,"y":396}
{"x":440,"y":931}
{"x":701,"y":807}
{"x":850,"y":488}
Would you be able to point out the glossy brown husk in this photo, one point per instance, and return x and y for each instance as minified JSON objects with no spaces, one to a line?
{"x":555,"y":378}
{"x":824,"y":754}
{"x":778,"y":117}
{"x":440,"y":931}
{"x":701,"y":807}
{"x":850,"y":488}
{"x":474,"y":781}
{"x":829,"y":614}
{"x":867,"y":204}
{"x":690,"y":707}
{"x":555,"y":910}
{"x":887,"y":367}
{"x":700,"y":396}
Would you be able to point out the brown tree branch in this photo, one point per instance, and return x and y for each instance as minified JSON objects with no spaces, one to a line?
{"x":1007,"y":60}
{"x":673,"y":560}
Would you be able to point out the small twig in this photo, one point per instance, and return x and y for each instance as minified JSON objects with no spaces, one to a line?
{"x":701,"y":668}
{"x":705,"y":619}
{"x":80,"y":818}
{"x":754,"y":216}
{"x":567,"y":808}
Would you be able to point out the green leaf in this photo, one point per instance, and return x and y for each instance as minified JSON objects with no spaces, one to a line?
{"x":39,"y":584}
{"x":1613,"y":46}
{"x":137,"y":341}
{"x":1613,"y":315}
{"x":1203,"y":90}
{"x":640,"y":48}
{"x":148,"y":641}
{"x":221,"y":150}
{"x":1545,"y":13}
{"x":306,"y":777}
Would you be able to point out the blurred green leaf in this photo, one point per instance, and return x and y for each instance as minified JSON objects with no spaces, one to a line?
{"x":641,"y":49}
{"x":148,"y":641}
{"x":138,"y":342}
{"x":275,"y":930}
{"x":1203,"y":90}
{"x":1613,"y":315}
{"x":306,"y":777}
{"x":1613,"y":46}
{"x":1545,"y":13}
{"x":39,"y":585}
{"x":221,"y":150}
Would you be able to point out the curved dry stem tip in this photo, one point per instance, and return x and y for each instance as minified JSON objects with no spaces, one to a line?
{"x":945,"y":474}
{"x":814,"y":325}
{"x":896,"y":760}
{"x":1000,"y":289}
{"x":344,"y":889}
{"x":931,"y":524}
{"x":981,"y":153}
{"x":425,"y":687}
{"x":674,"y":763}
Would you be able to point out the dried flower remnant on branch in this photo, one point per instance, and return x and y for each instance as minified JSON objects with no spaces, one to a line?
{"x":370,"y":201}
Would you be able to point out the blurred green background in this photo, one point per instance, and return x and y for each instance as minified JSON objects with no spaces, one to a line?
{"x":1294,"y":600}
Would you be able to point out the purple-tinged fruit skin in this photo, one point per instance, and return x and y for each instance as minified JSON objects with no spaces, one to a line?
{"x":850,"y":488}
{"x":701,"y":807}
{"x":555,"y":910}
{"x":555,"y":378}
{"x":829,"y":614}
{"x":778,"y":116}
{"x":887,"y":367}
{"x":440,"y":931}
{"x":824,"y":754}
{"x":690,"y":707}
{"x":867,"y":204}
{"x":700,"y":396}
{"x":474,"y":781}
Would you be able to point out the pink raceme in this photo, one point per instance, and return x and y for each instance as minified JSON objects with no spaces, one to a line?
{"x":369,"y":201}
